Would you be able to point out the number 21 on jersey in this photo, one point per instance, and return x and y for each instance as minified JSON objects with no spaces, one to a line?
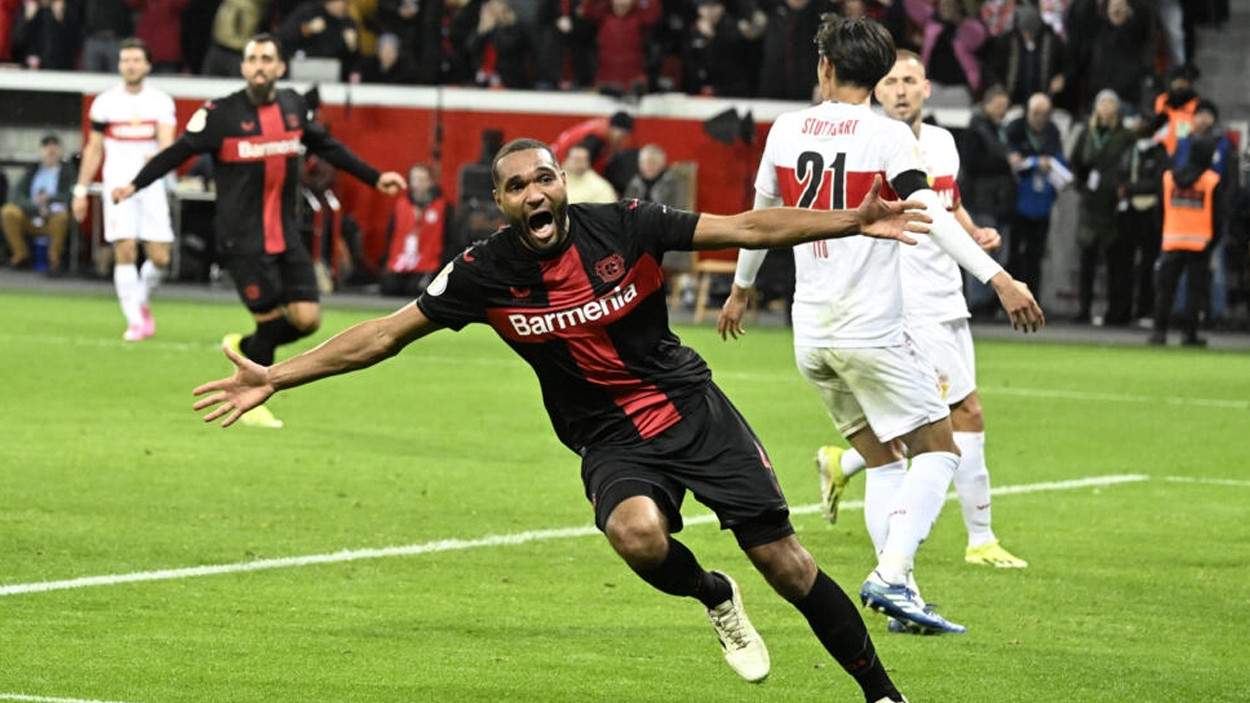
{"x":812,"y":185}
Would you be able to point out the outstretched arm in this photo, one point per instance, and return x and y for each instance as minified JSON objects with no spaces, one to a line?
{"x":355,"y":348}
{"x":783,"y":227}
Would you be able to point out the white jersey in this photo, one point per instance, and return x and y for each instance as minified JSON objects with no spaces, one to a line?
{"x":128,"y":122}
{"x":847,"y":291}
{"x":933,"y":285}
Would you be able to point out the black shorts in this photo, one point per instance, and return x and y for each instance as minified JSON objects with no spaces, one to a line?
{"x":269,"y":281}
{"x":712,"y":453}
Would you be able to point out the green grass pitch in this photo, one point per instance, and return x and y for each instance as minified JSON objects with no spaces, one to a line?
{"x":1137,"y":591}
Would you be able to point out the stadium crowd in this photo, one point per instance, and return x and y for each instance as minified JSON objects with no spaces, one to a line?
{"x":1069,"y":49}
{"x":1040,"y":58}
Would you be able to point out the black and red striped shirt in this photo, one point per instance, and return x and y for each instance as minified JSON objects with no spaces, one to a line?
{"x":590,"y":318}
{"x":256,"y":163}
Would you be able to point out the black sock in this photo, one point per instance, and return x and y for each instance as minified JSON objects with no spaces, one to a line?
{"x":838,"y":626}
{"x":260,"y":345}
{"x":680,"y":575}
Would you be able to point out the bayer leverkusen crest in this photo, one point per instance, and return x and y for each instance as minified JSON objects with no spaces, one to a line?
{"x":611,"y":268}
{"x":292,"y":120}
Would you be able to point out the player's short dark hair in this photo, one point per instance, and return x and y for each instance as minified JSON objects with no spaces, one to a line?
{"x":861,"y":50}
{"x":267,"y":38}
{"x":136,"y":43}
{"x":522,"y":144}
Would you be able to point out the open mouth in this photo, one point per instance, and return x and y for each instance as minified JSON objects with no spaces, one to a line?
{"x":542,"y":225}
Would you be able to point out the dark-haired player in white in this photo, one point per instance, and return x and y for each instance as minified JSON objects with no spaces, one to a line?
{"x":850,"y":335}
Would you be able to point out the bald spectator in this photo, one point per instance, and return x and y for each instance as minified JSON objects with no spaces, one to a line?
{"x":655,"y":182}
{"x":584,"y":185}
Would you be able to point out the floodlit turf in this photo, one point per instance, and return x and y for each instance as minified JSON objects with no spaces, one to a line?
{"x":1137,"y":591}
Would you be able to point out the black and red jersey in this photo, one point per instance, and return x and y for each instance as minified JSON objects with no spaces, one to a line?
{"x":256,"y":163}
{"x":590,"y":318}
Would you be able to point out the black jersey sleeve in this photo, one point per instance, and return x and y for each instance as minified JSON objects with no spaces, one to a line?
{"x":201,"y":135}
{"x":319,"y":142}
{"x":660,"y":228}
{"x":455,"y":297}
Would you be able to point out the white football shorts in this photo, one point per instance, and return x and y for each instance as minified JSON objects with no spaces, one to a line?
{"x":948,"y":345}
{"x":893,"y":390}
{"x":144,"y":216}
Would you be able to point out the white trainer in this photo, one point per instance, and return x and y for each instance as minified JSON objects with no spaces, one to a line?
{"x":744,"y":648}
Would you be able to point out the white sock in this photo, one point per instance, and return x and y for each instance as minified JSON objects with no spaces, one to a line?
{"x":151,"y":275}
{"x":129,"y":292}
{"x":919,"y":503}
{"x":972,"y":483}
{"x":852,"y":463}
{"x":881,"y":487}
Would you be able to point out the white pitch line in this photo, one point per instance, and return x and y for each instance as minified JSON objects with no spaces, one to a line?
{"x":448,"y":545}
{"x":1116,"y":397}
{"x":1208,"y":481}
{"x":46,"y":699}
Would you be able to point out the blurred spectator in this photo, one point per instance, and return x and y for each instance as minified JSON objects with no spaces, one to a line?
{"x":160,"y":26}
{"x":987,"y":183}
{"x":1174,"y":110}
{"x":1140,"y":179}
{"x":1036,"y":154}
{"x":105,"y":23}
{"x":8,"y":16}
{"x":655,"y":182}
{"x":789,"y":50}
{"x":1192,"y":216}
{"x":1054,"y":14}
{"x":1030,"y":58}
{"x":576,"y":41}
{"x":322,"y":29}
{"x":389,"y":66}
{"x":1172,"y":18}
{"x":1096,"y":157}
{"x":40,"y":207}
{"x":46,"y":35}
{"x":236,"y":21}
{"x":583,"y":184}
{"x":194,"y":40}
{"x":998,"y":16}
{"x":498,"y":46}
{"x":951,"y":41}
{"x":715,"y":56}
{"x":365,"y":14}
{"x":540,"y":20}
{"x":1120,"y":54}
{"x":418,"y":24}
{"x":415,"y":236}
{"x":622,"y":33}
{"x":875,"y":10}
{"x":602,"y":136}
